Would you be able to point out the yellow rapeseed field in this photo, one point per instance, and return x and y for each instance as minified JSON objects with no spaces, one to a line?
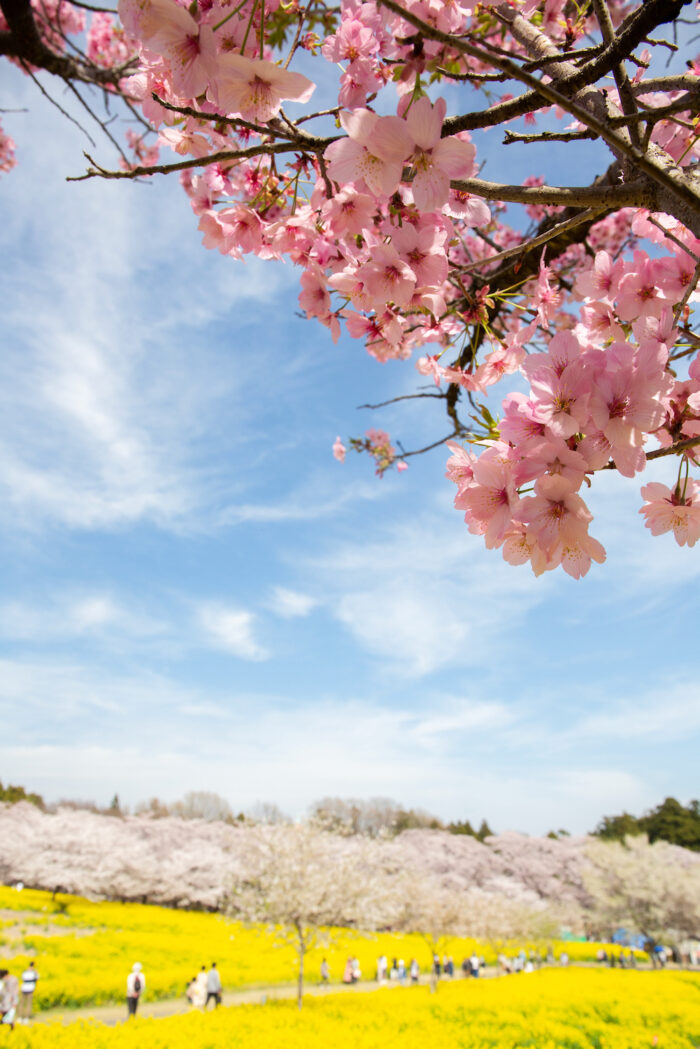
{"x":84,"y":950}
{"x":550,"y":1009}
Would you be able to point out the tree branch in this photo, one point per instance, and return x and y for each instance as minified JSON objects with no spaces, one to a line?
{"x":23,"y":42}
{"x":629,"y":106}
{"x":634,"y":30}
{"x":634,"y":194}
{"x":536,"y":242}
{"x":141,"y":171}
{"x":659,"y":453}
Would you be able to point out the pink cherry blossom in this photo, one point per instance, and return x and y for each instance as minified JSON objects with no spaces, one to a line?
{"x":7,"y":152}
{"x":628,"y":401}
{"x":546,"y":298}
{"x":255,"y":89}
{"x":435,"y":160}
{"x":677,"y":511}
{"x":600,"y":282}
{"x":349,"y":211}
{"x":373,"y":153}
{"x":386,"y":277}
{"x":353,"y":40}
{"x":504,"y":360}
{"x":472,"y":209}
{"x":562,"y":400}
{"x":491,"y":499}
{"x":639,"y":293}
{"x":429,"y":365}
{"x":522,"y":421}
{"x":339,"y":450}
{"x":460,"y":465}
{"x":557,"y":516}
{"x":577,"y":553}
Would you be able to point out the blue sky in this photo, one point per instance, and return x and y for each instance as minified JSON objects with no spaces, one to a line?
{"x":195,"y":595}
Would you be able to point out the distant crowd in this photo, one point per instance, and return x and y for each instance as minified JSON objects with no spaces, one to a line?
{"x":17,"y":994}
{"x":658,"y":955}
{"x":203,"y":988}
{"x":441,"y":968}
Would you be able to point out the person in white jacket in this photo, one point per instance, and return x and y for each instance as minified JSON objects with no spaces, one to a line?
{"x":135,"y":986}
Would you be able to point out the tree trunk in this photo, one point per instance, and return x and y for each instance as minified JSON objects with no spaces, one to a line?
{"x":300,"y":980}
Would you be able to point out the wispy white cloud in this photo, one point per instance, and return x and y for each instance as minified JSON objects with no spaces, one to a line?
{"x":463,"y":719}
{"x":422,"y":596}
{"x":232,"y":630}
{"x":290,"y":604}
{"x":103,"y":405}
{"x":460,"y":756}
{"x":309,"y":503}
{"x":72,"y":616}
{"x":665,"y":714}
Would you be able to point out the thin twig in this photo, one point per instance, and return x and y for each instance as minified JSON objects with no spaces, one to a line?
{"x":195,"y":162}
{"x":692,"y":285}
{"x":103,"y":124}
{"x":659,"y":453}
{"x":403,"y":397}
{"x":459,"y":431}
{"x":60,"y":108}
{"x":627,"y":101}
{"x":536,"y":242}
{"x":92,"y":7}
{"x":674,"y":238}
{"x":297,"y":36}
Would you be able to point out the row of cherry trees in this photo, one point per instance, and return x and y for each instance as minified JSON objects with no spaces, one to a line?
{"x":440,"y":884}
{"x":373,"y":193}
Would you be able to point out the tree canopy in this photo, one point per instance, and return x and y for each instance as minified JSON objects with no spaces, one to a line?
{"x":579,"y":301}
{"x":670,"y":821}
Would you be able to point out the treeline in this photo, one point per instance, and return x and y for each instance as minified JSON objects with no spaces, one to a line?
{"x":382,"y":817}
{"x":12,"y":795}
{"x":371,"y":818}
{"x":670,"y":821}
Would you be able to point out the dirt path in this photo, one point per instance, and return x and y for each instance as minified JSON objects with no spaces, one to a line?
{"x":113,"y":1014}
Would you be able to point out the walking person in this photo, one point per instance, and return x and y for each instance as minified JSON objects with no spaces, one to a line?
{"x":9,"y":994}
{"x":189,"y":989}
{"x":27,"y":988}
{"x":213,"y":986}
{"x":325,"y":972}
{"x":199,"y":989}
{"x":135,"y":986}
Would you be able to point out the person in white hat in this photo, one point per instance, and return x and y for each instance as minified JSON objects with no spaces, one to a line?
{"x":135,"y":986}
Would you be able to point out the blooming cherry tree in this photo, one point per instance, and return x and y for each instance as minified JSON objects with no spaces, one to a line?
{"x":581,"y":306}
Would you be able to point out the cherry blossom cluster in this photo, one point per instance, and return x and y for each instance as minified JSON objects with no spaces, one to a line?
{"x":378,"y":444}
{"x":596,"y":393}
{"x":7,"y":151}
{"x":379,"y":252}
{"x":373,"y":197}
